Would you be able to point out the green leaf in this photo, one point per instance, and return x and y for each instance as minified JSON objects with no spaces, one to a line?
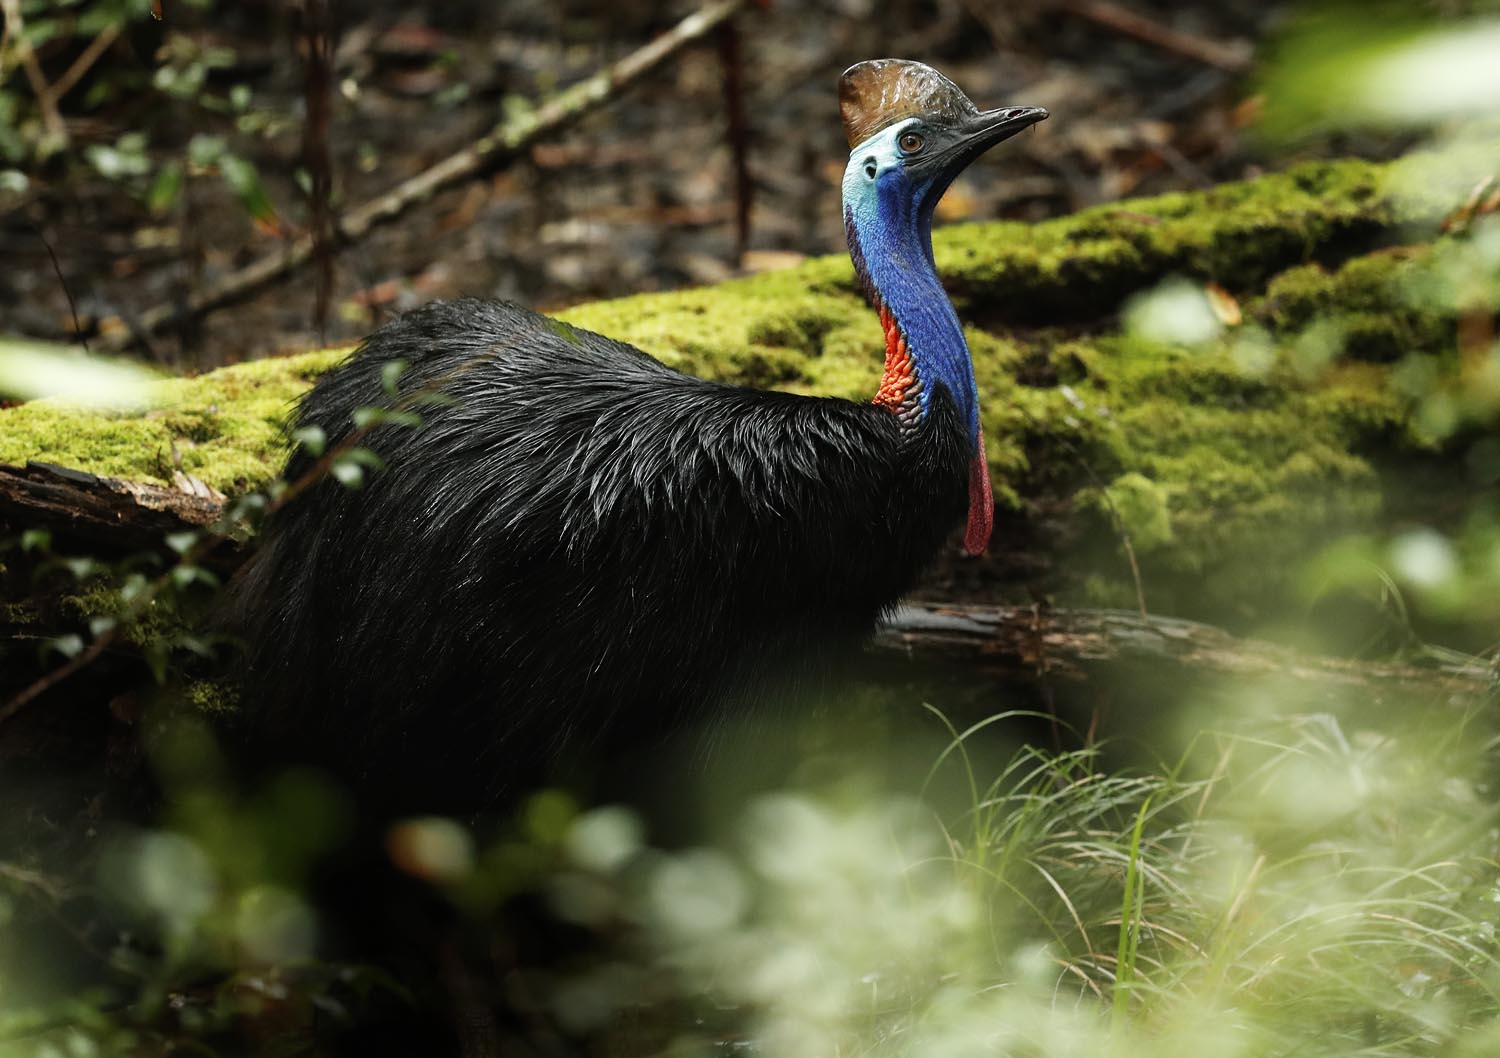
{"x":181,"y":542}
{"x":204,"y":150}
{"x":312,"y":438}
{"x":82,"y":568}
{"x":565,"y":331}
{"x":391,"y":372}
{"x":166,"y":189}
{"x":243,"y":178}
{"x":350,"y":475}
{"x":134,"y":588}
{"x":370,"y":416}
{"x":195,"y":645}
{"x":365,"y":457}
{"x":155,"y":653}
{"x":69,"y":646}
{"x":36,"y":540}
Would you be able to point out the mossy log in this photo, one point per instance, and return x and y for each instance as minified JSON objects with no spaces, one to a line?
{"x":1219,"y":463}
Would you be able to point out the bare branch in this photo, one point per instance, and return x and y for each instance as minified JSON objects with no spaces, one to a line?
{"x":506,"y":140}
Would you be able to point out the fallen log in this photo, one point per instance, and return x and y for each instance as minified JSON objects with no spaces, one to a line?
{"x":1031,"y":643}
{"x":111,"y":513}
{"x":1012,"y":643}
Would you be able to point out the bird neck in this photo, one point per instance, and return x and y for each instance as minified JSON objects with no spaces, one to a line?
{"x":890,"y":240}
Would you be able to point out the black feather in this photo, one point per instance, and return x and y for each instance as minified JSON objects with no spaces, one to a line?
{"x":576,"y":537}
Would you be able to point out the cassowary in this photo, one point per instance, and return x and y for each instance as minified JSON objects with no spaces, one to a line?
{"x":576,"y":536}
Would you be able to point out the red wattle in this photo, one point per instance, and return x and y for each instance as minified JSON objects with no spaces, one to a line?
{"x":981,"y":502}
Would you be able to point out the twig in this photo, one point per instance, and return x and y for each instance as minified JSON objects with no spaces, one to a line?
{"x":33,"y":879}
{"x":1132,"y":24}
{"x":81,"y":65}
{"x":1116,"y":522}
{"x":63,"y":282}
{"x":57,"y":132}
{"x":505,"y":140}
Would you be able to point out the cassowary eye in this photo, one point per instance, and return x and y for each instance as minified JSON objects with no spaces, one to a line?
{"x":911,"y":142}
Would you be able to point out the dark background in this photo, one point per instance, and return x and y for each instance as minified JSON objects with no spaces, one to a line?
{"x":639,"y":196}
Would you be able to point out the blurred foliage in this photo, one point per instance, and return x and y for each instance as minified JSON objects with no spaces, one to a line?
{"x":1389,"y":64}
{"x":183,"y":85}
{"x":1290,"y":886}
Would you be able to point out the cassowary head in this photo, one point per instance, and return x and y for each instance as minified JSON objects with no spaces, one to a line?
{"x":910,"y":126}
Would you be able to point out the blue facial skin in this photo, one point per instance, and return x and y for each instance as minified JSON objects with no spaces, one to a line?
{"x":890,"y":213}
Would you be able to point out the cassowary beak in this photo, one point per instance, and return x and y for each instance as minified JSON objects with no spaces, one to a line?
{"x":987,"y":128}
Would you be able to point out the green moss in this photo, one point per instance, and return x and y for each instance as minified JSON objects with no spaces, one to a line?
{"x":17,"y":615}
{"x":214,"y":698}
{"x":222,"y":427}
{"x":1368,"y":299}
{"x":1141,"y":507}
{"x":1223,"y":462}
{"x":160,"y":623}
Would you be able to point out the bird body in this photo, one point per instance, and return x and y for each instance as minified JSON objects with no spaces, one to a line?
{"x":576,"y":534}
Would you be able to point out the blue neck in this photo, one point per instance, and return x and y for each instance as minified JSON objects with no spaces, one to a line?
{"x":889,"y":226}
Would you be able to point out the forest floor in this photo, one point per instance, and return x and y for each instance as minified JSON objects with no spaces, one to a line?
{"x":639,"y":196}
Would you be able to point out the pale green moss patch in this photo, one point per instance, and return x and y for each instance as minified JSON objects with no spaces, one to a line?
{"x":223,"y":427}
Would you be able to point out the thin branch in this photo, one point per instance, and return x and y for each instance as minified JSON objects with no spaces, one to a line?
{"x":1116,"y":522}
{"x":54,"y":889}
{"x":1128,"y":23}
{"x":63,"y":282}
{"x":506,"y":140}
{"x":57,"y":132}
{"x":81,"y":65}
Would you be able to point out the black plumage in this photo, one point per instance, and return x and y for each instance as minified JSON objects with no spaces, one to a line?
{"x":574,"y":537}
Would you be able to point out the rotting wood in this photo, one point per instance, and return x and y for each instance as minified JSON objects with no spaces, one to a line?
{"x":506,"y":140}
{"x":1029,"y":643}
{"x":110,"y":512}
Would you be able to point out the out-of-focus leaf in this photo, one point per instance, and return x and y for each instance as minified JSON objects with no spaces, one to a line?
{"x":1177,"y":311}
{"x":244,"y":180}
{"x":348,"y":474}
{"x":312,"y":438}
{"x":1341,"y":66}
{"x":390,"y":374}
{"x":69,"y":646}
{"x":205,"y":150}
{"x":166,"y":189}
{"x":30,"y":370}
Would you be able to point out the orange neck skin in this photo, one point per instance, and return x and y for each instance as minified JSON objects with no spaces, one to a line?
{"x":898,"y":386}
